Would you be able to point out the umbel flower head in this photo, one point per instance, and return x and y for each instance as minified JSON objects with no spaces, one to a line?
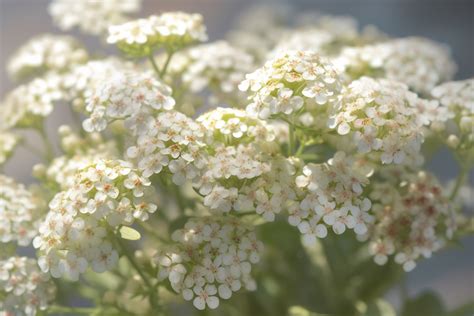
{"x":211,"y":259}
{"x":91,"y":16}
{"x":80,"y":82}
{"x":413,"y":217}
{"x":46,"y":53}
{"x":332,"y":196}
{"x":19,"y":213}
{"x":230,"y":127}
{"x":418,"y":62}
{"x":74,"y":235}
{"x":381,"y":117}
{"x":170,"y":30}
{"x":132,"y":97}
{"x":28,"y":104}
{"x":292,"y":82}
{"x":216,"y":68}
{"x":24,"y":289}
{"x":457,"y":99}
{"x":172,"y":140}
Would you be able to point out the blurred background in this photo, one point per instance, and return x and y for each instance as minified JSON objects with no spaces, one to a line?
{"x":450,"y":272}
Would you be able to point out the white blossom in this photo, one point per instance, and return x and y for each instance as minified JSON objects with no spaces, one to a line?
{"x":46,"y":53}
{"x":24,"y":289}
{"x":91,"y":16}
{"x":289,"y":82}
{"x":211,"y":259}
{"x":74,"y":234}
{"x":20,"y":213}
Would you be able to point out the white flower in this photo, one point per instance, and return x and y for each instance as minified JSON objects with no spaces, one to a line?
{"x":170,"y":29}
{"x":29,"y":103}
{"x":414,"y":222}
{"x":290,"y":81}
{"x":74,"y":234}
{"x":46,"y":53}
{"x":20,"y":213}
{"x":418,"y":62}
{"x":229,"y":126}
{"x":217,"y":253}
{"x":91,"y":16}
{"x":331,"y":196}
{"x":382,"y":117}
{"x":205,"y":297}
{"x":131,"y":97}
{"x":24,"y":289}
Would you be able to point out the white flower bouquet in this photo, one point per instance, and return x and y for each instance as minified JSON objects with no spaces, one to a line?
{"x":278,"y":172}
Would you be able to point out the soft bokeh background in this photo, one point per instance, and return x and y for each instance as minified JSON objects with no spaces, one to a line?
{"x":450,"y":272}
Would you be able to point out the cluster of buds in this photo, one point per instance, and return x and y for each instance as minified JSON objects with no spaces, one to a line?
{"x":211,"y":259}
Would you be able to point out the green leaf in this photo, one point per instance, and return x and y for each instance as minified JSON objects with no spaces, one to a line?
{"x":129,"y":233}
{"x":378,"y":307}
{"x":427,"y":303}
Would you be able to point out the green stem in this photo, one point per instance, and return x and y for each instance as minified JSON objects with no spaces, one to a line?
{"x":291,"y":139}
{"x":49,"y":151}
{"x":459,"y":182}
{"x":165,"y":66}
{"x":153,"y":63}
{"x":151,"y":289}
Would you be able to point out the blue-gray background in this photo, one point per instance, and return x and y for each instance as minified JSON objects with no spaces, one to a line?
{"x":449,"y":272}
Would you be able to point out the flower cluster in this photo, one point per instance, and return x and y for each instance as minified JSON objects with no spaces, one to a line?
{"x":331,"y":197}
{"x":171,"y":30}
{"x":132,"y":97}
{"x":381,"y":117}
{"x":24,"y":289}
{"x":8,"y":142}
{"x":91,"y":16}
{"x":412,"y":218}
{"x":218,"y":67}
{"x":419,"y":63}
{"x":27,"y":103}
{"x":19,"y":214}
{"x":212,"y":258}
{"x":81,"y":81}
{"x":46,"y":53}
{"x":226,"y":172}
{"x":174,"y":140}
{"x":74,"y":235}
{"x":291,"y":82}
{"x":230,"y":126}
{"x":457,"y":99}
